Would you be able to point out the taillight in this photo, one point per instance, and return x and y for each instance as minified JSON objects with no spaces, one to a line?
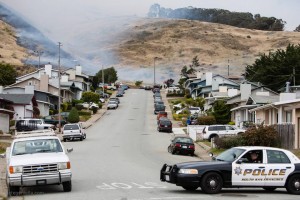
{"x":192,"y":146}
{"x":177,"y":145}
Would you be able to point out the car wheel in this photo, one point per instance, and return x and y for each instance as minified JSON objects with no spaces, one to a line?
{"x":173,"y":151}
{"x":84,"y":137}
{"x":14,"y":190}
{"x":67,"y":186}
{"x":269,"y":189}
{"x":81,"y":138}
{"x":65,"y":140}
{"x":169,"y":149}
{"x":213,"y":136}
{"x":190,"y":188}
{"x":293,"y":184}
{"x":211,"y":183}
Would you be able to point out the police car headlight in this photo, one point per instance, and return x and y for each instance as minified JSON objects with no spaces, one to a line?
{"x":188,"y":171}
{"x":64,"y":165}
{"x":15,"y":169}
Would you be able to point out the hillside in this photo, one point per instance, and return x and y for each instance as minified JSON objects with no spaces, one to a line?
{"x":10,"y":51}
{"x":176,"y":42}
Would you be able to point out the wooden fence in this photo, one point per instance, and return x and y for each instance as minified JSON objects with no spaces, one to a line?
{"x":286,"y":133}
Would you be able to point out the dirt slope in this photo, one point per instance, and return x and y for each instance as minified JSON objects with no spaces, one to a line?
{"x":176,"y":42}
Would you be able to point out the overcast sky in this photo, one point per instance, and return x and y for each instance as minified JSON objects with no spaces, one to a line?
{"x":45,"y":13}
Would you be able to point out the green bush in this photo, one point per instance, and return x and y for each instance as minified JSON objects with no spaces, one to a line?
{"x":79,"y":107}
{"x":90,"y":97}
{"x":100,"y":105}
{"x":175,"y":95}
{"x":84,"y":113}
{"x":175,"y":102}
{"x":64,"y":106}
{"x":75,"y":101}
{"x":229,"y":142}
{"x":206,"y":120}
{"x":69,"y":107}
{"x":178,"y":117}
{"x":73,"y":116}
{"x":231,"y":123}
{"x":12,"y":123}
{"x":261,"y":136}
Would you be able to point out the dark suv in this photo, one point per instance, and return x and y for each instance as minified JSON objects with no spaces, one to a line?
{"x":159,"y":107}
{"x":164,"y":124}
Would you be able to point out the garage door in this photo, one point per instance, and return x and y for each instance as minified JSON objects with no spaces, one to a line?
{"x":4,"y":122}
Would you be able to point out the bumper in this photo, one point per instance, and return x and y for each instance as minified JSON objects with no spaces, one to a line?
{"x":185,"y":151}
{"x":39,"y":179}
{"x":170,"y":174}
{"x":72,"y":136}
{"x":165,"y":129}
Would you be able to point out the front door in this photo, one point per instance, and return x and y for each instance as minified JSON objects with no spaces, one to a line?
{"x":250,"y":171}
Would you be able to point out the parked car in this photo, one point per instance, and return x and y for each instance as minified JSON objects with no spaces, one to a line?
{"x":159,"y":107}
{"x":212,"y":131}
{"x":89,"y":105}
{"x":73,"y":131}
{"x":35,"y":160}
{"x":51,"y":119}
{"x":194,"y":110}
{"x":30,"y":124}
{"x":183,"y":145}
{"x":158,"y":102}
{"x":103,"y":95}
{"x":173,"y":89}
{"x":112,"y":105}
{"x":115,"y":99}
{"x":119,"y":94}
{"x":148,"y":87}
{"x":157,"y":94}
{"x":155,"y":90}
{"x":164,"y":124}
{"x":237,"y":168}
{"x":161,"y":114}
{"x":102,"y":100}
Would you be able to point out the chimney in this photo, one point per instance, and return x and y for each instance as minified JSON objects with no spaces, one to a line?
{"x":29,"y":89}
{"x":245,"y":91}
{"x":48,"y":70}
{"x":78,"y":70}
{"x":44,"y":83}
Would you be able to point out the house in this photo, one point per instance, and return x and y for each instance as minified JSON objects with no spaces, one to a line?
{"x":249,"y":97}
{"x":6,"y":111}
{"x":207,"y":82}
{"x":24,"y":105}
{"x":284,"y":111}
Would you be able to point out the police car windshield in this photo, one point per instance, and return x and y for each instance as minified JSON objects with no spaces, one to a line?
{"x":230,"y":155}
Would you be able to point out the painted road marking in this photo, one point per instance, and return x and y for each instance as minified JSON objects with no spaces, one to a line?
{"x":128,"y":186}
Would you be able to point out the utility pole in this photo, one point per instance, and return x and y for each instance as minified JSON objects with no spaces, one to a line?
{"x":103,"y":81}
{"x":59,"y":97}
{"x":39,"y":55}
{"x":228,"y":68}
{"x":294,"y":76}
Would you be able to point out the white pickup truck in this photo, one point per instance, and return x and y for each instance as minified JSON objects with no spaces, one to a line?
{"x":37,"y":158}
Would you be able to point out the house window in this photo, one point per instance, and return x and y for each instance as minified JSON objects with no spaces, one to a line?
{"x":289,"y":117}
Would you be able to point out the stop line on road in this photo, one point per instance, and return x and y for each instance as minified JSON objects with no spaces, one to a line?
{"x":128,"y":186}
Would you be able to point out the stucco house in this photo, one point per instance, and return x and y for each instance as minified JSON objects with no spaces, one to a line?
{"x":5,"y":113}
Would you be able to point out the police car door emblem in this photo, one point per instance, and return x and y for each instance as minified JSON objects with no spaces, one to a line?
{"x":238,"y":171}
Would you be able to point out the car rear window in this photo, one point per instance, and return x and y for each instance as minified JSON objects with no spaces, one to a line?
{"x":184,"y":140}
{"x":165,"y":122}
{"x":71,"y":127}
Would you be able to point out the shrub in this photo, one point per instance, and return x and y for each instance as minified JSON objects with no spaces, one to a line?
{"x":206,"y":120}
{"x":84,"y":113}
{"x":261,"y":136}
{"x":79,"y":107}
{"x":94,"y":109}
{"x":12,"y":123}
{"x":73,"y":116}
{"x":175,"y":95}
{"x":75,"y":101}
{"x":90,"y":97}
{"x":231,"y":123}
{"x":175,"y":102}
{"x":100,"y":105}
{"x":69,"y":106}
{"x":64,"y":106}
{"x":229,"y":142}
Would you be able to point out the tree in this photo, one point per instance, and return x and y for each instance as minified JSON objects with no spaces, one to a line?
{"x":297,"y":29}
{"x":73,"y":116}
{"x":138,"y":83}
{"x":221,"y":112}
{"x":8,"y":74}
{"x":169,"y":82}
{"x":277,"y":66}
{"x":90,"y":97}
{"x":110,"y":76}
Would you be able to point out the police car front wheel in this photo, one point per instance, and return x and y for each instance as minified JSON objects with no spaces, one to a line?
{"x":211,"y":183}
{"x":293,"y":184}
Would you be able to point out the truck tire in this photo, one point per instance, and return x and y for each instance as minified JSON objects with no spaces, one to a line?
{"x":14,"y":190}
{"x":65,"y":140}
{"x":212,"y":136}
{"x":81,"y":138}
{"x":67,"y":186}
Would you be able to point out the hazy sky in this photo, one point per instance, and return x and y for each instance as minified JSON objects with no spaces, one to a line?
{"x":46,"y":12}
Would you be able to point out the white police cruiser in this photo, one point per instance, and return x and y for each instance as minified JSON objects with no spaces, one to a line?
{"x":256,"y":166}
{"x":37,"y":158}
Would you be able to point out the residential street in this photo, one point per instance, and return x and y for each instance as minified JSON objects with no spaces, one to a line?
{"x":122,"y":157}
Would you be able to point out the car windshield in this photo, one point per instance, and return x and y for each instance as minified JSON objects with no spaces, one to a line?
{"x":71,"y":127}
{"x":230,"y":155}
{"x":36,"y":146}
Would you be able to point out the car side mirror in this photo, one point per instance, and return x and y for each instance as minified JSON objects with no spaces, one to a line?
{"x":241,"y":160}
{"x":2,"y":155}
{"x":70,"y":150}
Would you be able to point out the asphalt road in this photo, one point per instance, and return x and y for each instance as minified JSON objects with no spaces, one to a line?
{"x":122,"y":157}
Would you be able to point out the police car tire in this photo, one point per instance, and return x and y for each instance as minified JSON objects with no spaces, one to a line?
{"x":290,"y":185}
{"x":190,"y":188}
{"x":205,"y":183}
{"x":269,"y":189}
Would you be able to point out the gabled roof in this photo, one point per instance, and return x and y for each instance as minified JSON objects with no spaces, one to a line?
{"x":263,"y":99}
{"x":22,"y":99}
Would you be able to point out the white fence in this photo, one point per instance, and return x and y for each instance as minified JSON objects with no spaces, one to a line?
{"x":195,"y":131}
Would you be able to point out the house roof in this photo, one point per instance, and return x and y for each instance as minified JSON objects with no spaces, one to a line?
{"x":23,"y":99}
{"x":264,"y":99}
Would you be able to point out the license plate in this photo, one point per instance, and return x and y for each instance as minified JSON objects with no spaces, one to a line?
{"x":41,"y":182}
{"x":167,"y":177}
{"x":184,"y":147}
{"x":166,"y":126}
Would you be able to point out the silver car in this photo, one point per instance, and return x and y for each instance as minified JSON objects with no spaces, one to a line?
{"x":112,"y":105}
{"x":73,"y":131}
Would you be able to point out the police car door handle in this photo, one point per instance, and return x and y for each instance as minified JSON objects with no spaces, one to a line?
{"x":261,"y":167}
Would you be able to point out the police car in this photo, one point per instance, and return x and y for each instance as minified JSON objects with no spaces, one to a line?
{"x":265,"y":167}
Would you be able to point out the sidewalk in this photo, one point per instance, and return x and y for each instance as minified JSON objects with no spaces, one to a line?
{"x":201,"y":150}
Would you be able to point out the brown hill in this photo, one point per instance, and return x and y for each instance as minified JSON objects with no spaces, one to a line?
{"x":176,"y":42}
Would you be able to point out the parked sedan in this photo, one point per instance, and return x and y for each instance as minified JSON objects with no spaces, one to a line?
{"x":115,"y":99}
{"x":183,"y":145}
{"x":164,"y":124}
{"x":112,"y":105}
